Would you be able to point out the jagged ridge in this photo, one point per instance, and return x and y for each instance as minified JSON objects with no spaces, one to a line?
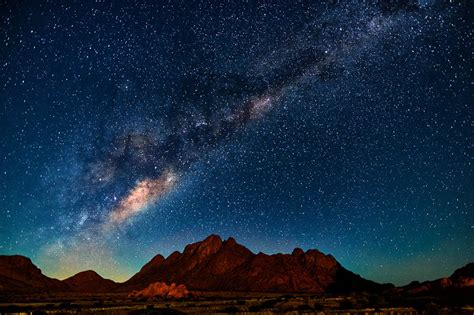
{"x":216,"y":265}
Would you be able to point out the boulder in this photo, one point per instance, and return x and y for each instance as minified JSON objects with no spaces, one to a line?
{"x":162,"y":290}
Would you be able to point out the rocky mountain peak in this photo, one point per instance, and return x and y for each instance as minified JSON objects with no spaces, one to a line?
{"x":297,"y":252}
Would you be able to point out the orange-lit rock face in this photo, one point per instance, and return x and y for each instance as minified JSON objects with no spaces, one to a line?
{"x":161,"y":289}
{"x":140,"y":197}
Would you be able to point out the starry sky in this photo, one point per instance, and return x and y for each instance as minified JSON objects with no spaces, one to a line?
{"x":131,"y":128}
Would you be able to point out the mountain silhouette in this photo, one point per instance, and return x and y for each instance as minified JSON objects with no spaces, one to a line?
{"x":19,"y":274}
{"x":214,"y":264}
{"x":90,"y":281}
{"x":217,"y":265}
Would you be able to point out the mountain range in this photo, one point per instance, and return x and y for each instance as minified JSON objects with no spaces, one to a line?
{"x":221,"y":265}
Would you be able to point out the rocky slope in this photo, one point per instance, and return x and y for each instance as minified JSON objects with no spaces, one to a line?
{"x":18,"y":274}
{"x":458,"y":289}
{"x":216,"y":265}
{"x":462,"y":278}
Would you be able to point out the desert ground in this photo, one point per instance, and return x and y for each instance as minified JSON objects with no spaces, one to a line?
{"x":226,"y":303}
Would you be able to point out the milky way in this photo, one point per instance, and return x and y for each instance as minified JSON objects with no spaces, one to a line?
{"x":178,"y":149}
{"x":142,"y":195}
{"x":130,"y":129}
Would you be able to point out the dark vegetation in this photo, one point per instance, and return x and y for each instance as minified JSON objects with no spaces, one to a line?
{"x":230,"y":303}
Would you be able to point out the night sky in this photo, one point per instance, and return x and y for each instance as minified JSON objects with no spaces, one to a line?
{"x":133,"y":128}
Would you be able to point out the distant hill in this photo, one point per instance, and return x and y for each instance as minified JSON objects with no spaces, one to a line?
{"x":461,"y":278}
{"x":19,"y":275}
{"x":90,"y":281}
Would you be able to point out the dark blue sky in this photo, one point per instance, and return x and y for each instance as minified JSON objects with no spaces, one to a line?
{"x":130,"y":129}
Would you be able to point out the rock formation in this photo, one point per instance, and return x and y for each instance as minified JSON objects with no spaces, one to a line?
{"x":461,"y":278}
{"x":216,"y":265}
{"x":162,"y":290}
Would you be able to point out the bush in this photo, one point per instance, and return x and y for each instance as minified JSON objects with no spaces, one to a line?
{"x":304,"y":307}
{"x":98,"y":303}
{"x":65,"y":305}
{"x":231,"y":309}
{"x":270,"y":303}
{"x":255,"y":308}
{"x":318,"y":307}
{"x":346,"y":304}
{"x":427,"y":307}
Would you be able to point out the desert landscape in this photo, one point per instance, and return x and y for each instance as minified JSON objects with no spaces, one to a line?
{"x":236,"y":157}
{"x":216,"y":276}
